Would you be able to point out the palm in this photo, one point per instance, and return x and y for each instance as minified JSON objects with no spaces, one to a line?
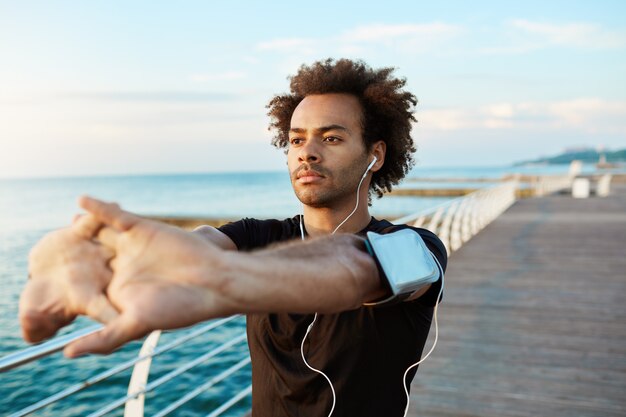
{"x":155,"y":278}
{"x":156,"y":282}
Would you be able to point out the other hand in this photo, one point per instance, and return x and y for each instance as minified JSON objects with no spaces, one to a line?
{"x":68,"y":276}
{"x":163,"y":278}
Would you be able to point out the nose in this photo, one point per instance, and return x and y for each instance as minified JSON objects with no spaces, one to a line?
{"x":309,"y":152}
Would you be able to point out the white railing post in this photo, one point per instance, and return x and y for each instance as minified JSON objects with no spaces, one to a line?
{"x":139,"y":377}
{"x":444,"y":231}
{"x":603,"y":188}
{"x":434,"y":221}
{"x":420,"y":221}
{"x":456,"y":239}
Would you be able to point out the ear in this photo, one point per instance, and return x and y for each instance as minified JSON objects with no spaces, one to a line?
{"x":378,"y":150}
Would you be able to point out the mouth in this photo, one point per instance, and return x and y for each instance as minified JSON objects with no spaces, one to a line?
{"x":307,"y":176}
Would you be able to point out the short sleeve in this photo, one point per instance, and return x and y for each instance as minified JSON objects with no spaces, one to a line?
{"x":249,"y":234}
{"x":241,"y":232}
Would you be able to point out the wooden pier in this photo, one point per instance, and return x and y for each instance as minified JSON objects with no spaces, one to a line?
{"x":533,"y":321}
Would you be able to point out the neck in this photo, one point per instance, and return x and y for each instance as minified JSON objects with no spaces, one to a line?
{"x":324,"y":220}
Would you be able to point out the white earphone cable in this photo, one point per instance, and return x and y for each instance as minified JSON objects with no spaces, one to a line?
{"x":355,"y":207}
{"x":308,"y":330}
{"x":332,"y":388}
{"x":310,"y":327}
{"x":406,"y":390}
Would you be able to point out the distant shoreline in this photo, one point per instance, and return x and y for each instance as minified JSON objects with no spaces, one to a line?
{"x":191,"y":223}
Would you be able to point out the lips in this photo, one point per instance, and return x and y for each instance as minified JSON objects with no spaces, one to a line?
{"x":308,"y":176}
{"x":309,"y":173}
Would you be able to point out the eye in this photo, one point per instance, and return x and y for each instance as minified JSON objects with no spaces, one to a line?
{"x":331,"y":139}
{"x":296,"y":141}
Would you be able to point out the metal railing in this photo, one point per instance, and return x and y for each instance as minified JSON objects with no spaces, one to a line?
{"x":138,"y":387}
{"x":457,"y":221}
{"x":548,"y":184}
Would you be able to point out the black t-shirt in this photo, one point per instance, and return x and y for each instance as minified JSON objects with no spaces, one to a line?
{"x":364,"y":352}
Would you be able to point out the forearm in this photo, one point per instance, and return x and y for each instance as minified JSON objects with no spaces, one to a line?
{"x":325,"y":275}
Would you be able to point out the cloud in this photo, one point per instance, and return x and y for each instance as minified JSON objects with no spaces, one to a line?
{"x":588,"y":115}
{"x":220,"y":76}
{"x":404,"y":37}
{"x":150,"y":96}
{"x":376,"y":33}
{"x":516,"y":36}
{"x":577,"y":35}
{"x":522,"y":36}
{"x":592,"y":114}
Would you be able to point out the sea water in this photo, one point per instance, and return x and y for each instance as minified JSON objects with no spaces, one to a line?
{"x":29,"y":208}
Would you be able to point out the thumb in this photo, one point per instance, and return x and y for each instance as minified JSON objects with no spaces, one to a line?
{"x":116,"y":333}
{"x":86,"y":226}
{"x":109,"y":213}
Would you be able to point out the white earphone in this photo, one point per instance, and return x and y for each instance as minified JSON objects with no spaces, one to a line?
{"x":310,"y":327}
{"x":308,"y":330}
{"x":370,"y":166}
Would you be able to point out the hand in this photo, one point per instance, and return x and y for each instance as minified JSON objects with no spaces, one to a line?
{"x":163,"y":278}
{"x":68,"y":276}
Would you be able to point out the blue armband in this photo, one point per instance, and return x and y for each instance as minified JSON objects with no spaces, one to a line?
{"x":404,"y":263}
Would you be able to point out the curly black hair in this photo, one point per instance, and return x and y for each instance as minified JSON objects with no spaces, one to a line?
{"x":387,"y":110}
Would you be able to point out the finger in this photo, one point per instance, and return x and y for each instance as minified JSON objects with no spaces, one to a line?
{"x":109,"y":213}
{"x":117,"y":332}
{"x":100,"y":308}
{"x":106,"y":253}
{"x":76,"y":217}
{"x":86,"y":226}
{"x":37,"y":326}
{"x":108,"y":237}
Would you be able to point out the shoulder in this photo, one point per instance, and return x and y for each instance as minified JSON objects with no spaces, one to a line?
{"x":249,"y":233}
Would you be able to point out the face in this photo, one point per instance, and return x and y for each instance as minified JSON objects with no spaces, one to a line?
{"x":326,"y":155}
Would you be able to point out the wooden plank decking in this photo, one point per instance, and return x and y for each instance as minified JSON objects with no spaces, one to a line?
{"x":533,"y":321}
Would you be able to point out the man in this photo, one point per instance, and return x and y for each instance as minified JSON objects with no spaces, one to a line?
{"x":346,"y":129}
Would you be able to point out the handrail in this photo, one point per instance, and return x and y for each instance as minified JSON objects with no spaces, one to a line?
{"x":236,"y":398}
{"x":39,"y":351}
{"x":30,"y":354}
{"x":458,"y":220}
{"x":192,"y":394}
{"x":167,"y":377}
{"x":110,"y":372}
{"x":425,"y":212}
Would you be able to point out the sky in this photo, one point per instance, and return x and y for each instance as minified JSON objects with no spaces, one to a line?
{"x":98,"y":88}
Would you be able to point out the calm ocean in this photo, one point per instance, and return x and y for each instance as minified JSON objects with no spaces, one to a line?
{"x":31,"y":207}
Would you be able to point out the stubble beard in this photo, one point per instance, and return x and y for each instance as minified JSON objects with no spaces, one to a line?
{"x":337,"y":186}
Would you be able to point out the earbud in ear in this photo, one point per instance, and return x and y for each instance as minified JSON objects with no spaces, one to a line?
{"x":371,"y":164}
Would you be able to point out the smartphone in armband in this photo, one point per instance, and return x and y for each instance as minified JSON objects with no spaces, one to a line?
{"x":403,"y":261}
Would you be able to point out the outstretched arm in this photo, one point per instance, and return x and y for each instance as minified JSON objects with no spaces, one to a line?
{"x":166,"y":278}
{"x":325,"y":275}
